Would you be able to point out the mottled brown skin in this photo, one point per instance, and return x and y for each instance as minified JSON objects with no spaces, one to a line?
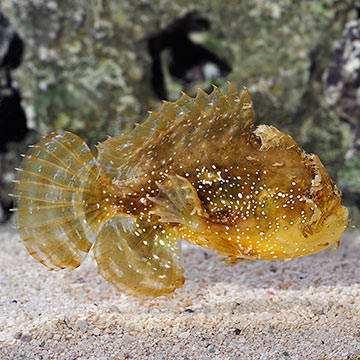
{"x":198,"y":170}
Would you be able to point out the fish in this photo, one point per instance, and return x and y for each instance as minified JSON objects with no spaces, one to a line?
{"x":199,"y":170}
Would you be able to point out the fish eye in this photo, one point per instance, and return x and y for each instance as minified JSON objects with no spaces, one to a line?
{"x":309,"y":196}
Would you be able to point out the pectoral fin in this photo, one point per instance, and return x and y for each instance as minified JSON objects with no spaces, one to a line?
{"x":177,"y":202}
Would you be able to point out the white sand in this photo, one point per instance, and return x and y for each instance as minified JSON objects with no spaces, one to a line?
{"x":307,"y":308}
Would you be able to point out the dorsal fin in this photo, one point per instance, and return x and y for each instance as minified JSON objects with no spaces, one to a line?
{"x":177,"y":126}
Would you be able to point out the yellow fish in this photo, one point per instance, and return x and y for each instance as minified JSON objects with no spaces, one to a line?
{"x":198,"y":169}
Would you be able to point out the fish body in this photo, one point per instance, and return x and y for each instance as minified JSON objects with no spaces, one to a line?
{"x":198,"y":169}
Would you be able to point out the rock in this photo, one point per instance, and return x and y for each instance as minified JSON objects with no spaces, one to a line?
{"x":82,"y":324}
{"x":343,"y":77}
{"x":128,"y":338}
{"x":184,"y":335}
{"x":265,"y":316}
{"x":114,"y":308}
{"x":25,"y":337}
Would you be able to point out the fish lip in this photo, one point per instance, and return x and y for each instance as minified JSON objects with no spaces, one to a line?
{"x":307,"y":230}
{"x":326,"y":220}
{"x":335,"y":211}
{"x":342,"y":214}
{"x":330,"y":223}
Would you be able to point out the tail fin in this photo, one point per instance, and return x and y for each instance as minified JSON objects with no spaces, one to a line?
{"x":57,"y":196}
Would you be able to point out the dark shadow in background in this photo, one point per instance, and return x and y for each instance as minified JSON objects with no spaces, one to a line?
{"x":11,"y":50}
{"x":188,"y":59}
{"x":13,"y":122}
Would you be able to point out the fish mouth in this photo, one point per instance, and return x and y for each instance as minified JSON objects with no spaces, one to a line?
{"x":307,"y":231}
{"x":327,"y":211}
{"x":326,"y":229}
{"x":328,"y":205}
{"x":337,"y":215}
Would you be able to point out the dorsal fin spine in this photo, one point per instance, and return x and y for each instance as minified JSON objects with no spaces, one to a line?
{"x":125,"y":156}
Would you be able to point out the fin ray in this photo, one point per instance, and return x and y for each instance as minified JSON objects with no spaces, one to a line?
{"x":182,"y":123}
{"x":139,"y":257}
{"x":50,"y":164}
{"x":177,"y":201}
{"x":57,"y":192}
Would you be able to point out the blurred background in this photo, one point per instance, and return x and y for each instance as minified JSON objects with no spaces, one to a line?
{"x":95,"y":67}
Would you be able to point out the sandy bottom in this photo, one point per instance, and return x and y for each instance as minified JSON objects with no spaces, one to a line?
{"x":307,"y":308}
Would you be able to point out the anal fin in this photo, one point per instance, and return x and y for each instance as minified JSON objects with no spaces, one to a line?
{"x":139,"y":257}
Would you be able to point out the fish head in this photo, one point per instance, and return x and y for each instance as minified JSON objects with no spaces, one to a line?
{"x":323,"y":217}
{"x":301,"y":211}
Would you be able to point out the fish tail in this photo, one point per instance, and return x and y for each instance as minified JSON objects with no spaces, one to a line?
{"x":58,"y":195}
